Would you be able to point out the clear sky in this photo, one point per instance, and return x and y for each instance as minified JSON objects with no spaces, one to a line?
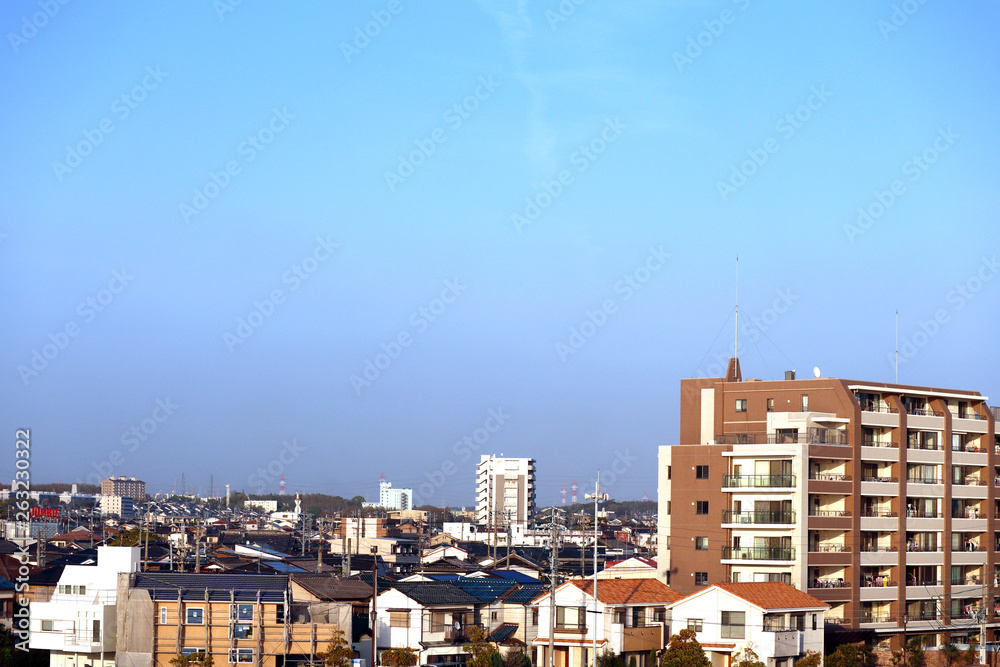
{"x":333,"y":240}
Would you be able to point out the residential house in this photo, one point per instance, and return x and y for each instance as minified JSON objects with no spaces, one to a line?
{"x":779,"y":622}
{"x":236,"y":618}
{"x":77,"y":624}
{"x":637,"y":567}
{"x":631,"y":613}
{"x":431,"y":617}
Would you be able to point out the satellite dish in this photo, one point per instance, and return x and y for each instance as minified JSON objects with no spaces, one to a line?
{"x":816,"y":371}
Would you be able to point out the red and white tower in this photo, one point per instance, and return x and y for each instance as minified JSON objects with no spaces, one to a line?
{"x":574,"y":487}
{"x":281,"y":486}
{"x":563,"y":494}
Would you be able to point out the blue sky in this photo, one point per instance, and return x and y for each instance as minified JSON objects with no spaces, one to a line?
{"x":539,"y":203}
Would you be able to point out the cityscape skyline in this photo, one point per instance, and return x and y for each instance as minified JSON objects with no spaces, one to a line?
{"x":336,"y":241}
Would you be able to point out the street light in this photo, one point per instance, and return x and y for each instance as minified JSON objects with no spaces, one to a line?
{"x":597,"y":496}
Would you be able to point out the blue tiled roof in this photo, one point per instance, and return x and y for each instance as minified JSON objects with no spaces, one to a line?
{"x":525,"y":594}
{"x":485,"y":589}
{"x":217,"y":587}
{"x":519,"y":577}
{"x":6,"y":584}
{"x":503,"y":632}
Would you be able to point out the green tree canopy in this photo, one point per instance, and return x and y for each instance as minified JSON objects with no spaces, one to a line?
{"x":684,"y":651}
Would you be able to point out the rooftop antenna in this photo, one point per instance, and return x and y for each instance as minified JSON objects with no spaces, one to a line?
{"x":897,"y":346}
{"x":736,"y":337}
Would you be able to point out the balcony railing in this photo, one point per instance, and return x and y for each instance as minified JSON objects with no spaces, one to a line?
{"x":758,"y":553}
{"x":877,"y":442}
{"x":877,"y":582}
{"x":829,"y":583}
{"x":925,"y":479}
{"x":878,"y":514}
{"x":871,"y":617}
{"x":830,"y":477}
{"x":883,"y":480}
{"x":814,"y":435}
{"x":759,"y":516}
{"x":932,"y":446}
{"x":912,"y":513}
{"x":828,"y":513}
{"x":829,"y":548}
{"x":970,"y":480}
{"x":758,"y":481}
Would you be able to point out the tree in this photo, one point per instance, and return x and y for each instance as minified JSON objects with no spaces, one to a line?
{"x":811,"y":659}
{"x":399,"y":657}
{"x":684,"y":651}
{"x":651,"y":661}
{"x":852,"y":655}
{"x":954,"y":656}
{"x":748,"y":658}
{"x":914,"y":654}
{"x":609,"y":659}
{"x":338,"y":653}
{"x":631,"y":661}
{"x":481,"y":650}
{"x":516,"y":658}
{"x":199,"y":659}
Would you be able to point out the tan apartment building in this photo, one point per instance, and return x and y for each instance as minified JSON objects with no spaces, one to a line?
{"x":879,"y":499}
{"x":130,"y":487}
{"x":236,"y":618}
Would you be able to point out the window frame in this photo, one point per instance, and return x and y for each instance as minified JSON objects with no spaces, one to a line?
{"x":701,"y":543}
{"x":237,"y":611}
{"x":399,"y":619}
{"x":701,"y":578}
{"x":163,"y":615}
{"x":237,"y":653}
{"x":699,"y":505}
{"x":698,"y":623}
{"x":701,"y":472}
{"x":246,"y":630}
{"x":770,"y":404}
{"x":187,"y":615}
{"x":728,"y":627}
{"x":741,"y":405}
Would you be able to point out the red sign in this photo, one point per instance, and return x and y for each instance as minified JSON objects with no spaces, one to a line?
{"x":45,"y":512}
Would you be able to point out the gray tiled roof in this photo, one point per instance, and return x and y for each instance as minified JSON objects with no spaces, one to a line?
{"x":220,"y":587}
{"x":433,"y":593}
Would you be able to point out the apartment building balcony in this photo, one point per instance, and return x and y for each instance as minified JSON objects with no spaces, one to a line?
{"x":785,"y":482}
{"x":829,"y":590}
{"x":878,"y":619}
{"x":829,"y":519}
{"x":879,"y":485}
{"x":830,"y":483}
{"x":876,"y":556}
{"x":970,"y":423}
{"x":758,"y":518}
{"x":930,"y":590}
{"x":879,"y":416}
{"x":829,"y":554}
{"x":759,"y":555}
{"x":887,"y":592}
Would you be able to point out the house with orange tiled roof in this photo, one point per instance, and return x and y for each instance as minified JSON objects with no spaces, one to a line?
{"x":627,"y":616}
{"x":779,"y":622}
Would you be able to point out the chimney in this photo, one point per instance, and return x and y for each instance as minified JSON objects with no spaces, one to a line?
{"x":789,"y":375}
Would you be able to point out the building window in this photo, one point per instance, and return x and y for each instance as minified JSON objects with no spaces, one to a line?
{"x":399,"y":619}
{"x":701,"y":472}
{"x":493,"y":616}
{"x":191,"y":650}
{"x":701,"y":507}
{"x":701,"y":578}
{"x":46,"y":626}
{"x":734,"y":624}
{"x":805,"y":402}
{"x":770,"y":405}
{"x":741,"y":405}
{"x":571,"y":618}
{"x":619,"y":616}
{"x":735,"y":578}
{"x":659,"y":615}
{"x":815,"y":621}
{"x":534,"y":616}
{"x":163,"y":615}
{"x":279,"y":614}
{"x":195,"y":615}
{"x":241,"y":631}
{"x":241,"y":612}
{"x":668,"y":508}
{"x":694,"y":624}
{"x":668,"y":472}
{"x":241,"y":655}
{"x":701,"y":543}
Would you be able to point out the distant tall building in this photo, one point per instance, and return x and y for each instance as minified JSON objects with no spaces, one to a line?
{"x":505,"y":491}
{"x":129,"y":487}
{"x":394,"y":499}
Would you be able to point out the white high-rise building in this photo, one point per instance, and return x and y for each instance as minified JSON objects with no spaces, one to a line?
{"x":505,"y":491}
{"x":394,"y":499}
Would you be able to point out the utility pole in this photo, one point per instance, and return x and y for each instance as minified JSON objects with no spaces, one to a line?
{"x":374,"y":603}
{"x":597,"y":496}
{"x":983,"y":615}
{"x":554,"y":542}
